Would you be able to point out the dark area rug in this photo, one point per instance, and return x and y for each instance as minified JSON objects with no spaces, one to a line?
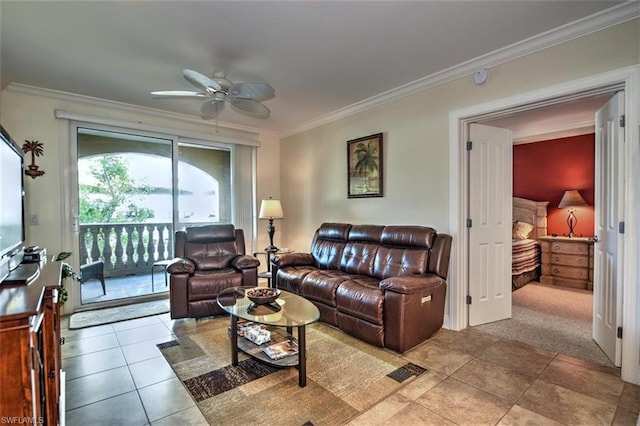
{"x":344,"y":377}
{"x":116,"y":314}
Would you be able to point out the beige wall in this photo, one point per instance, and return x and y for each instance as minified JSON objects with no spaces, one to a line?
{"x":416,"y":145}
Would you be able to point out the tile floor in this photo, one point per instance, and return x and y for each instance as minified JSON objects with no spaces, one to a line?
{"x":117,"y":376}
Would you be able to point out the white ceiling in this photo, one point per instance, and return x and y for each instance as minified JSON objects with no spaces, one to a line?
{"x":321,"y":56}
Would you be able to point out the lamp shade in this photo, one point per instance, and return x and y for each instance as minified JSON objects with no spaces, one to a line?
{"x":271,"y":209}
{"x":572,"y":198}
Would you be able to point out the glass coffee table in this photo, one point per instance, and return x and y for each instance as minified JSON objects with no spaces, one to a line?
{"x":289,"y":311}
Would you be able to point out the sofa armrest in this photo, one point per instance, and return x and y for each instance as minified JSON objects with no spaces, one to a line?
{"x":410,"y":284}
{"x":292,"y":259}
{"x":181,"y":265}
{"x":245,"y":262}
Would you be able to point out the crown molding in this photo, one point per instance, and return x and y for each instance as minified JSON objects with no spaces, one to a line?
{"x":591,"y":24}
{"x":127,"y":108}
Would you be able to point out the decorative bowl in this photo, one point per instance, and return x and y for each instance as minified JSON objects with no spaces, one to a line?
{"x":262,"y":295}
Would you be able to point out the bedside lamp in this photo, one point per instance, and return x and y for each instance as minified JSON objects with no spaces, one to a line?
{"x":572,"y":198}
{"x":271,"y":209}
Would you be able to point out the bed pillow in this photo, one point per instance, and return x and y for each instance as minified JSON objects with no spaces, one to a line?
{"x":521,"y":230}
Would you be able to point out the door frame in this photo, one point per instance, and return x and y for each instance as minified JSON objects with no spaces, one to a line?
{"x":627,"y":79}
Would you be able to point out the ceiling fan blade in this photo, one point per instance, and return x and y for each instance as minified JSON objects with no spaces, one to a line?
{"x":202,"y":81}
{"x":251,"y":91}
{"x":250,"y":107}
{"x":211,"y":109}
{"x":182,"y":93}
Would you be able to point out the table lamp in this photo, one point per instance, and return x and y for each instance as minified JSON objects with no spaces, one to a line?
{"x":271,"y":209}
{"x":572,"y":198}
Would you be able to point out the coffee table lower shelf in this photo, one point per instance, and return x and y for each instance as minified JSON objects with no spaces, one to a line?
{"x":278,"y":334}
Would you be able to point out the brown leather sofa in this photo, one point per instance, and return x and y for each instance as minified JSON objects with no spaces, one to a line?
{"x":385,"y":285}
{"x":208,"y":260}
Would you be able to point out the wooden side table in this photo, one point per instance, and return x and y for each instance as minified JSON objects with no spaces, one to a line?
{"x":567,"y":262}
{"x":267,"y":254}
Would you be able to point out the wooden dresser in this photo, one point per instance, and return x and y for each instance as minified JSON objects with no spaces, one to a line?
{"x":30,"y":362}
{"x":567,"y":262}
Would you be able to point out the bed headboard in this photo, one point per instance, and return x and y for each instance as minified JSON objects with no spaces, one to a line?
{"x":533,"y":212}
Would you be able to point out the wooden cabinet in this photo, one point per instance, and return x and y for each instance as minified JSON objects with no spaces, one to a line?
{"x":30,"y":358}
{"x":567,"y":262}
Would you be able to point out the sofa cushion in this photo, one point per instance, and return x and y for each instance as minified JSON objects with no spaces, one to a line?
{"x":321,"y":285}
{"x":212,"y":255}
{"x":366,"y":233}
{"x":358,"y":258}
{"x":327,"y":253}
{"x":210,"y":233}
{"x":414,"y":236}
{"x":360,"y":296}
{"x":391,"y":262}
{"x":202,"y":286}
{"x":328,"y":243}
{"x":290,"y":278}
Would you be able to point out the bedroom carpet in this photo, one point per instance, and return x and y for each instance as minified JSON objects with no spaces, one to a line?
{"x":344,"y":378}
{"x":553,"y":318}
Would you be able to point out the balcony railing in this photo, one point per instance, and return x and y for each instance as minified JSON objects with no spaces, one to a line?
{"x":126,"y":248}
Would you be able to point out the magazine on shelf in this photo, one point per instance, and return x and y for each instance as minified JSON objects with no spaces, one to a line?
{"x":282,"y":349}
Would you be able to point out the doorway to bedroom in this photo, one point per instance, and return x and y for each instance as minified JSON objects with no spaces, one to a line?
{"x":552,"y":302}
{"x":543,"y":167}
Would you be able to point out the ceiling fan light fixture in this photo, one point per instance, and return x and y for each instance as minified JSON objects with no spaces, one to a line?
{"x":244,"y":98}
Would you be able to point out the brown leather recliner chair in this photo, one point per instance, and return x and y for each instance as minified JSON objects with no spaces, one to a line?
{"x":209,"y":259}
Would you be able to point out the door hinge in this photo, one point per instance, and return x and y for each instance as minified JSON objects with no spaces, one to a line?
{"x":619,"y":332}
{"x":469,"y":223}
{"x":468,"y":299}
{"x":469,"y":145}
{"x":622,"y":121}
{"x":621,"y":227}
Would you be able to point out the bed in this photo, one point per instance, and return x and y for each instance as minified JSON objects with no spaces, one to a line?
{"x":529,"y":223}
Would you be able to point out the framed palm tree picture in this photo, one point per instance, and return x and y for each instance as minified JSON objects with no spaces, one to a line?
{"x":364,"y":166}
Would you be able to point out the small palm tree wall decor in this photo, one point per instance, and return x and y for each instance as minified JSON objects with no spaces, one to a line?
{"x":36,"y":149}
{"x":364,"y":161}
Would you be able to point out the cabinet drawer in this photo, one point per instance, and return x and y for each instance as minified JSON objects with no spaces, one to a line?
{"x":568,"y":282}
{"x":569,"y":248}
{"x":570,"y":272}
{"x":569,"y":260}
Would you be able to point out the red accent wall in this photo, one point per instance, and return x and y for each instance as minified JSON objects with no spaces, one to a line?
{"x":542,"y":171}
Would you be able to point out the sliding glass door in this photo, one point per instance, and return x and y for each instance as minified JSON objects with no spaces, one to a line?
{"x":134,"y":190}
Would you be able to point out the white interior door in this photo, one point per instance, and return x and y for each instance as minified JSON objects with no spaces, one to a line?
{"x":490,"y":212}
{"x":607,"y":288}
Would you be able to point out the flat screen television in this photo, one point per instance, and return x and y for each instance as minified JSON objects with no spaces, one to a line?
{"x":12,"y":226}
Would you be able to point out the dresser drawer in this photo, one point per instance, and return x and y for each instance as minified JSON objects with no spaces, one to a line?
{"x":569,"y":260}
{"x":568,"y":282}
{"x":570,"y":272}
{"x":569,"y":248}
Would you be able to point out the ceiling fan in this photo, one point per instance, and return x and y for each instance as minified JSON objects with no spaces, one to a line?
{"x":244,"y":98}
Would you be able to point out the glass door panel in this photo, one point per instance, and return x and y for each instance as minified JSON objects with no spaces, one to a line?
{"x":204,"y":185}
{"x":125,"y":189}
